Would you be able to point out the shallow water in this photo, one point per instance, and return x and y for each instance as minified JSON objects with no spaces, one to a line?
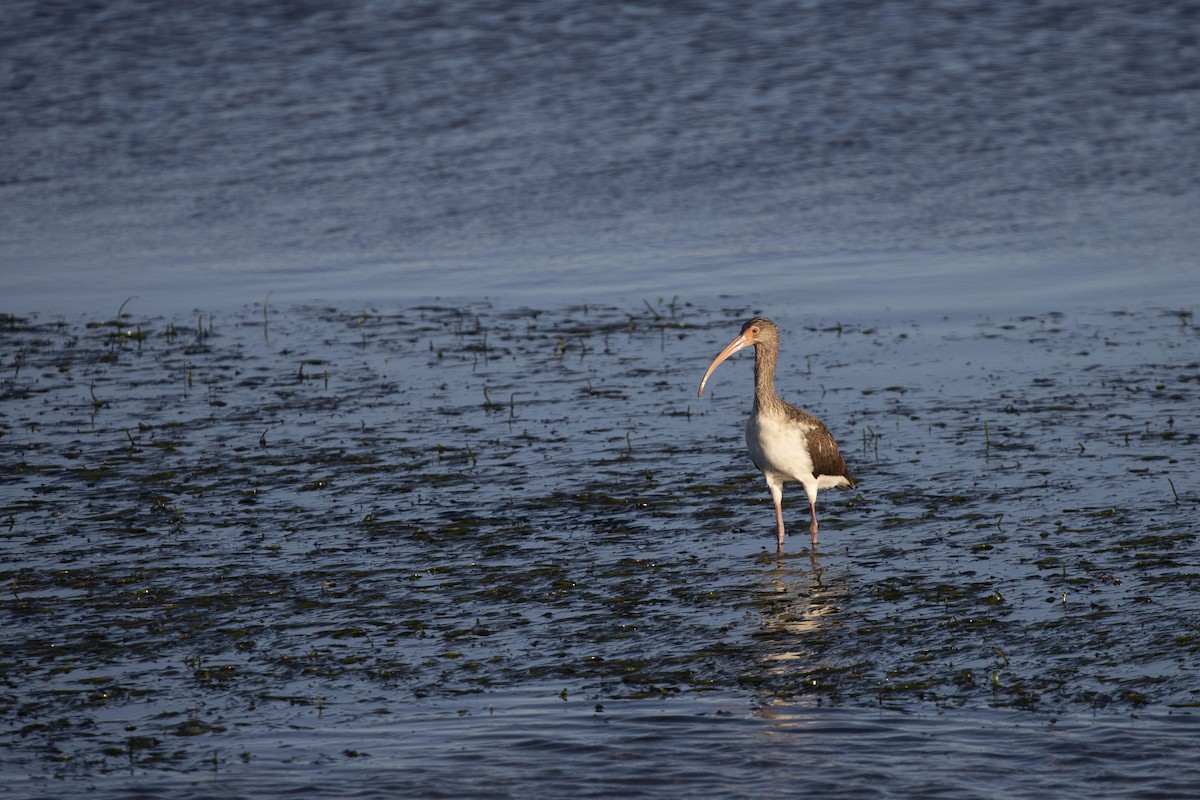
{"x":499,"y":550}
{"x":312,"y":515}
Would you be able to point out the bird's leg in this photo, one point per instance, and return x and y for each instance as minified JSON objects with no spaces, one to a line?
{"x":779,"y":522}
{"x":776,"y":488}
{"x":812,"y":507}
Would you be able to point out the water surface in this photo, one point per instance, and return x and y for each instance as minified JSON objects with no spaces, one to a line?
{"x":832,"y":156}
{"x":506,"y":550}
{"x":389,"y":477}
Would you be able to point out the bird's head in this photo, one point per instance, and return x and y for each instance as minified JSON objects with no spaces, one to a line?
{"x":759,"y":330}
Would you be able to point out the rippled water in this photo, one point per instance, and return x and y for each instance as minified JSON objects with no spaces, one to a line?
{"x":389,"y":476}
{"x":490,"y":550}
{"x":841,"y":155}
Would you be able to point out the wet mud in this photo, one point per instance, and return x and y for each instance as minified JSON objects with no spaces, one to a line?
{"x":224,"y":529}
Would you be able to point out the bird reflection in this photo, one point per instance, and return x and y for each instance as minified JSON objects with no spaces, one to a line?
{"x":805,"y":599}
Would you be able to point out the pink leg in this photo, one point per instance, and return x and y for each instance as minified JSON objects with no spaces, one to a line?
{"x":779,"y":523}
{"x":812,"y":507}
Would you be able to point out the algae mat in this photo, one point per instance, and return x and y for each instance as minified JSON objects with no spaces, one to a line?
{"x":251,"y":524}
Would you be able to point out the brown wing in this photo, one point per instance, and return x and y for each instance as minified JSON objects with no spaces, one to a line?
{"x":826,"y":457}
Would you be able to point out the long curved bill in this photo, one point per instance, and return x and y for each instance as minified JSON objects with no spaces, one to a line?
{"x":737,"y":344}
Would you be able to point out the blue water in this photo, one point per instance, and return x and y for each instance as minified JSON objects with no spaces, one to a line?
{"x":849,"y":156}
{"x":816,"y":160}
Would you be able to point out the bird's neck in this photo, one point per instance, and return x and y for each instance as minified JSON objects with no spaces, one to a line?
{"x":764,"y":378}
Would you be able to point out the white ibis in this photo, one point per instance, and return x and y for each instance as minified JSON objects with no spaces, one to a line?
{"x":786,"y":443}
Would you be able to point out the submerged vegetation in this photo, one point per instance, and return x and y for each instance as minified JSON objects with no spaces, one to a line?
{"x":218,"y":525}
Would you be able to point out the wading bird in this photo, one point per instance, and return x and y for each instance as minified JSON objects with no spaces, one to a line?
{"x":786,"y":443}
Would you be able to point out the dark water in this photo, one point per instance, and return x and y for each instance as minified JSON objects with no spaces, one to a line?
{"x":373,"y":543}
{"x":500,"y":551}
{"x":839,"y":155}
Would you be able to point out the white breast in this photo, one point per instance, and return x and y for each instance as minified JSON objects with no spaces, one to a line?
{"x":778,"y":447}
